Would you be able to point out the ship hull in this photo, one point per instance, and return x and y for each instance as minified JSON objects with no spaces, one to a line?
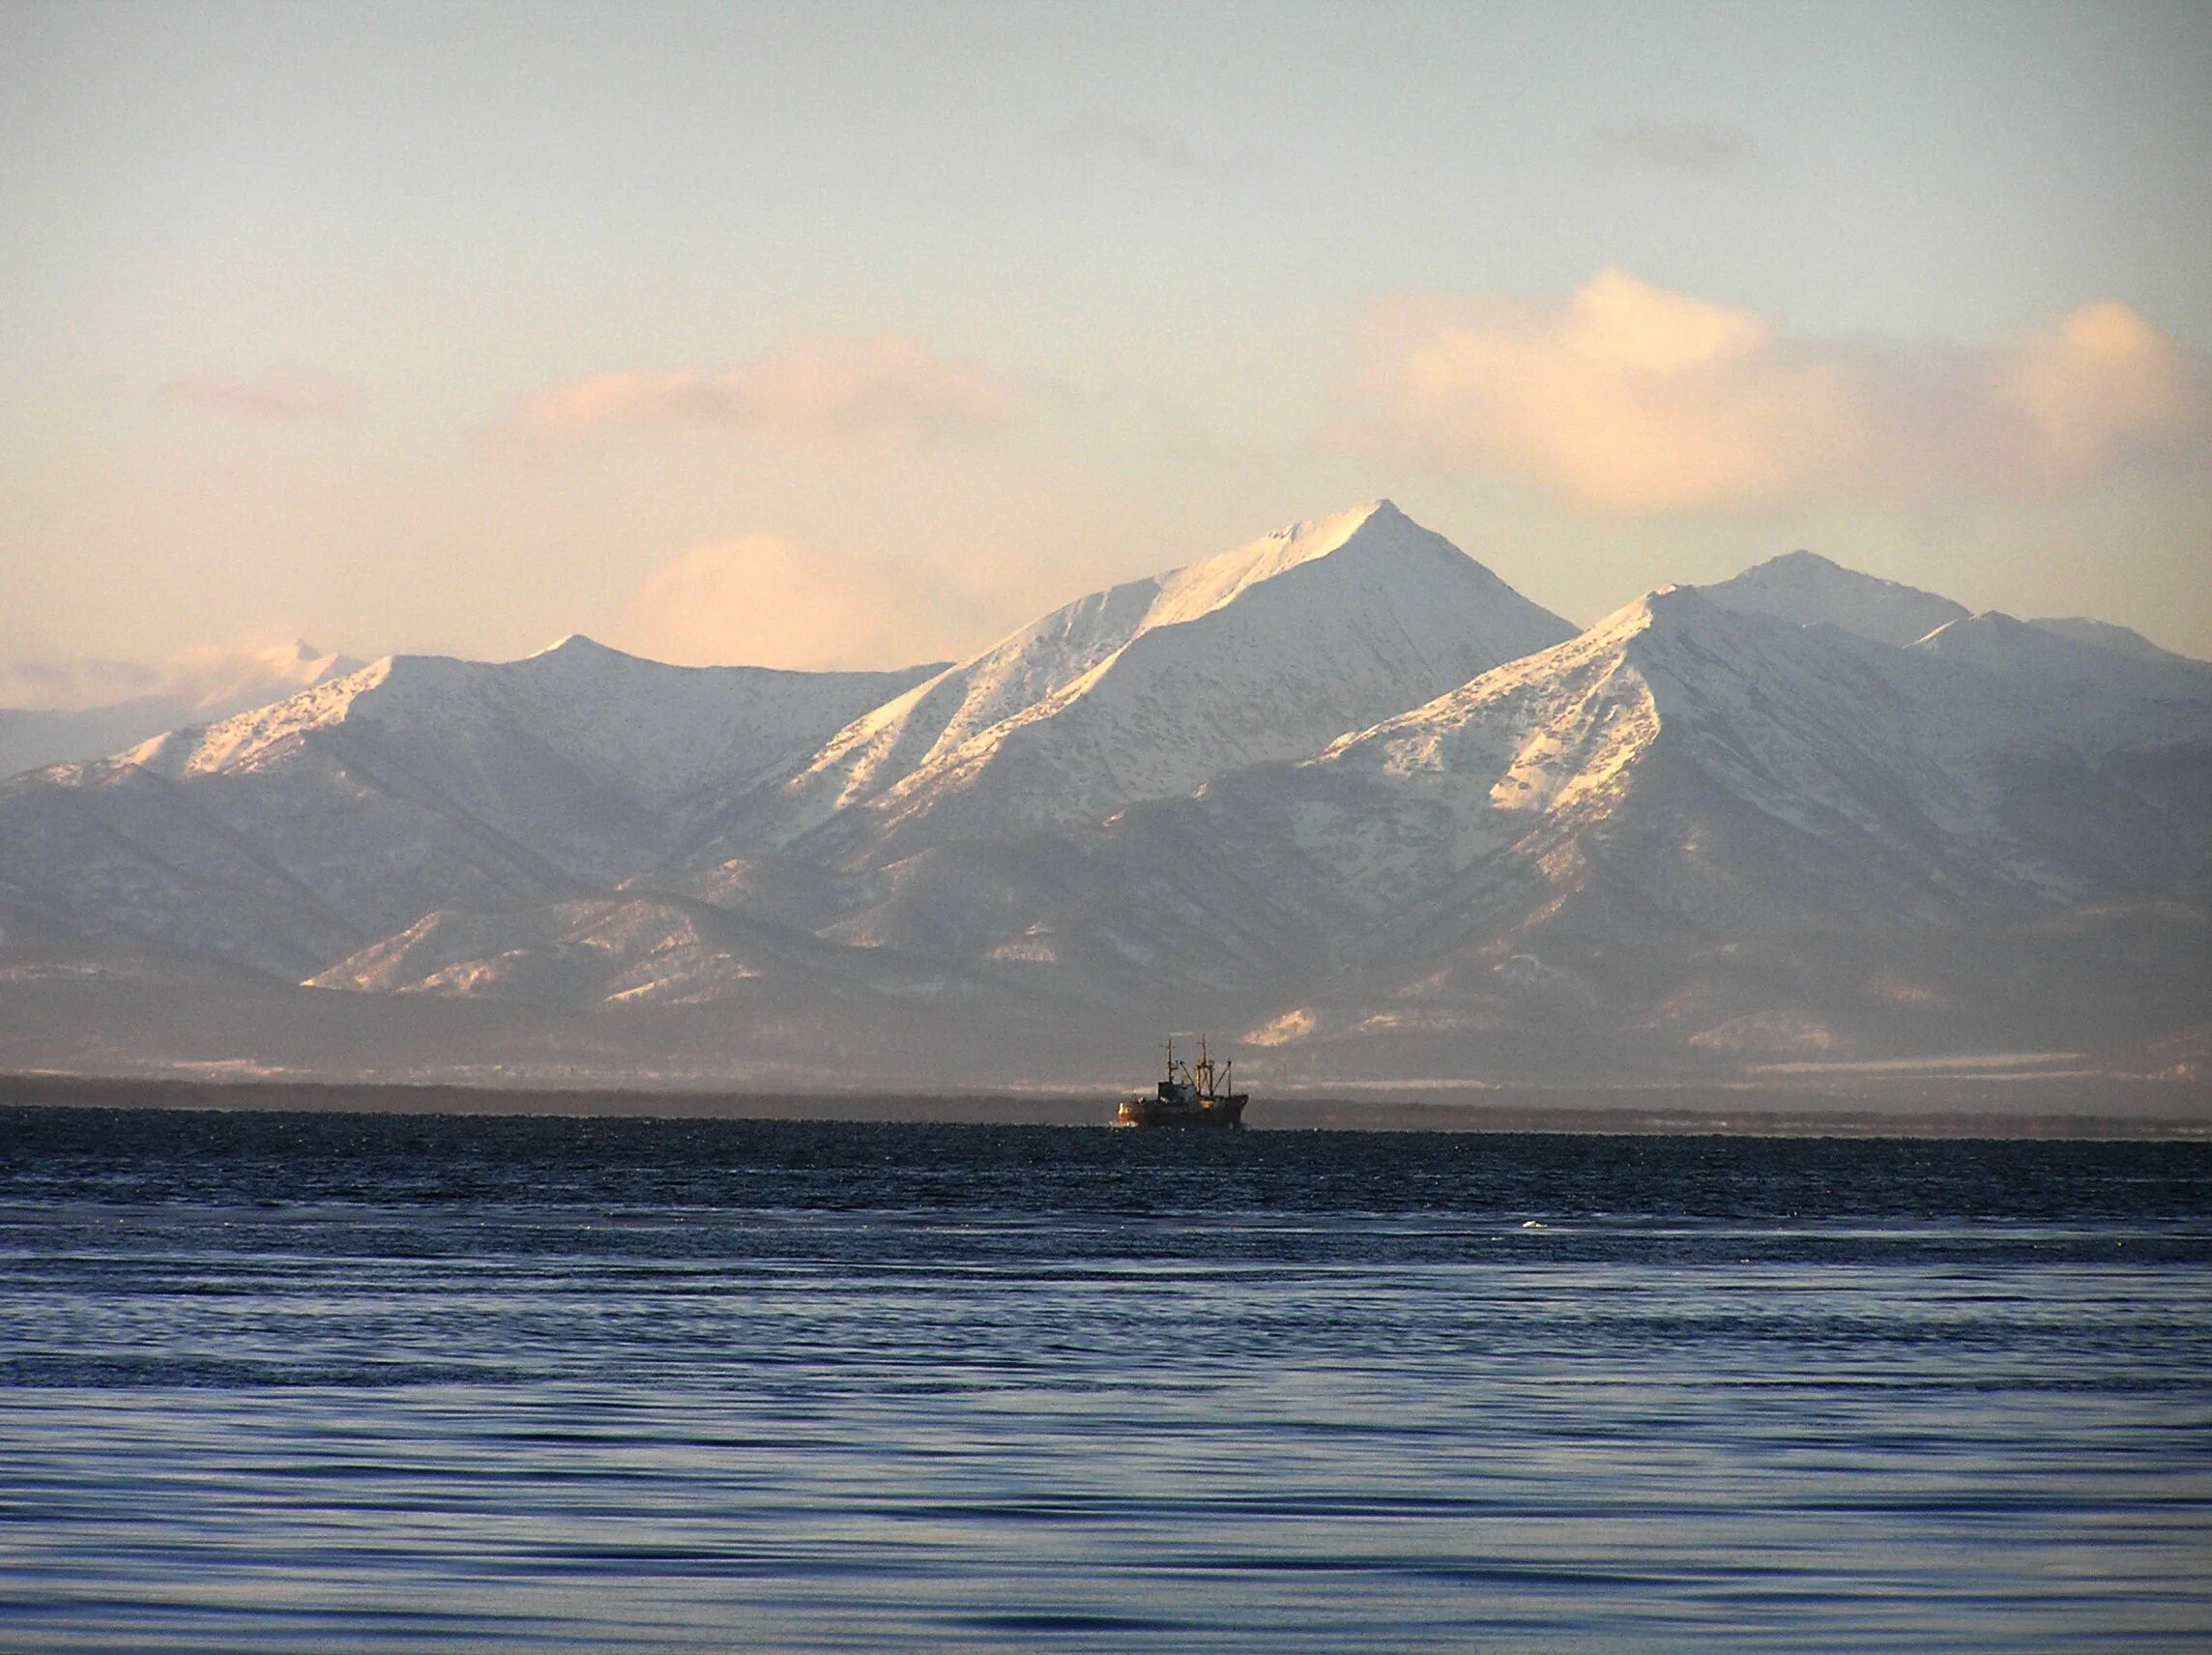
{"x":1225,"y":1114}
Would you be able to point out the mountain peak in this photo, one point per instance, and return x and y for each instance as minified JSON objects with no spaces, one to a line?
{"x":1377,"y":527}
{"x":1262,"y":652}
{"x":1810,"y":590}
{"x":1340,"y":526}
{"x":574,"y":646}
{"x":1663,"y":609}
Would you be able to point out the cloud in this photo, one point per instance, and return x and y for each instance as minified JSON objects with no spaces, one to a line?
{"x":278,"y":396}
{"x":765,"y":600}
{"x":2102,"y":382}
{"x":212,"y":675}
{"x":825,"y":395}
{"x":73,"y":681}
{"x":1631,"y":399}
{"x":204,"y":679}
{"x":1671,"y":146}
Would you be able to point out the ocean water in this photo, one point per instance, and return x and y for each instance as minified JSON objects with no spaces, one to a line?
{"x":293,"y":1382}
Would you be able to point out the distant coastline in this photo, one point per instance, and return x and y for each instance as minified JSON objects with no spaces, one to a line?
{"x":2131,"y":1112}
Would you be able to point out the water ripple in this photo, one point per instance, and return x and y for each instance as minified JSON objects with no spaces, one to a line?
{"x":272,"y":1382}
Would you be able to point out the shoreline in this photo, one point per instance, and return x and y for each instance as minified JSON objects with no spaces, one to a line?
{"x":1621,"y":1111}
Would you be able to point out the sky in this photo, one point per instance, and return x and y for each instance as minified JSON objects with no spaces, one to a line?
{"x":852,"y":336}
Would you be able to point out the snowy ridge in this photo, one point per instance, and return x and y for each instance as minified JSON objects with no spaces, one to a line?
{"x":1906,"y":759}
{"x":658,"y":731}
{"x":1154,"y":687}
{"x":1201,"y":588}
{"x":416,"y":783}
{"x":1822,"y":735}
{"x":1698,"y":768}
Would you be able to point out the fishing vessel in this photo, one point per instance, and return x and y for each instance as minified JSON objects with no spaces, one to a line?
{"x":1192,"y":1095}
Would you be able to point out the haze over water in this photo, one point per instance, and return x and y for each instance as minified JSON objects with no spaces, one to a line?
{"x":276,"y":1382}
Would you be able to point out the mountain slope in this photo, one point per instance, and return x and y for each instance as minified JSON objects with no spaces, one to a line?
{"x":2105,"y":696}
{"x":623,"y":950}
{"x":1575,"y":828}
{"x":1149,"y":689}
{"x":1600,"y":824}
{"x":1339,"y":788}
{"x":287,"y":835}
{"x":2124,"y":639}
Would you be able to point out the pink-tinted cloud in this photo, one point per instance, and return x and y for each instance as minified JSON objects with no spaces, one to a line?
{"x":2101,"y":384}
{"x":67,"y":682}
{"x":823,"y":394}
{"x":278,"y":396}
{"x":207,"y":679}
{"x":212,"y":675}
{"x":766,"y":600}
{"x":1631,"y":399}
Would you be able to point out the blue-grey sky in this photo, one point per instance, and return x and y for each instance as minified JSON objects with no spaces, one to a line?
{"x":852,"y":334}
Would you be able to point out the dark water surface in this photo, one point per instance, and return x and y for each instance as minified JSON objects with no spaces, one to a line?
{"x":323,"y":1382}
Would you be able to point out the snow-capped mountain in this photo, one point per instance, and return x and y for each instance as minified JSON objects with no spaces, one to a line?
{"x":1340,"y":787}
{"x":613,"y":728}
{"x":1579,"y":828}
{"x":1811,"y":777}
{"x":1152,"y":688}
{"x":285,"y":836}
{"x":1855,"y":761}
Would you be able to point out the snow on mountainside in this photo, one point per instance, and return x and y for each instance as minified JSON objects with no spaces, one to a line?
{"x":647,"y":729}
{"x":1577,"y":825}
{"x":1825,"y":738}
{"x":1808,"y":589}
{"x":581,"y":755}
{"x":1153,"y":688}
{"x":1340,"y":787}
{"x":1861,"y":781}
{"x":285,"y":836}
{"x":198,"y":691}
{"x":2096,"y":694}
{"x":621,"y":950}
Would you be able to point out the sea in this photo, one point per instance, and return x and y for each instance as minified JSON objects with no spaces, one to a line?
{"x":382,"y":1382}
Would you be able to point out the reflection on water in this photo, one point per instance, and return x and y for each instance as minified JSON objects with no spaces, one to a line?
{"x":289,"y":1382}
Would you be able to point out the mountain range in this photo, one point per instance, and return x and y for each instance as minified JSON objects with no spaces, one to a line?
{"x":1341,"y":793}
